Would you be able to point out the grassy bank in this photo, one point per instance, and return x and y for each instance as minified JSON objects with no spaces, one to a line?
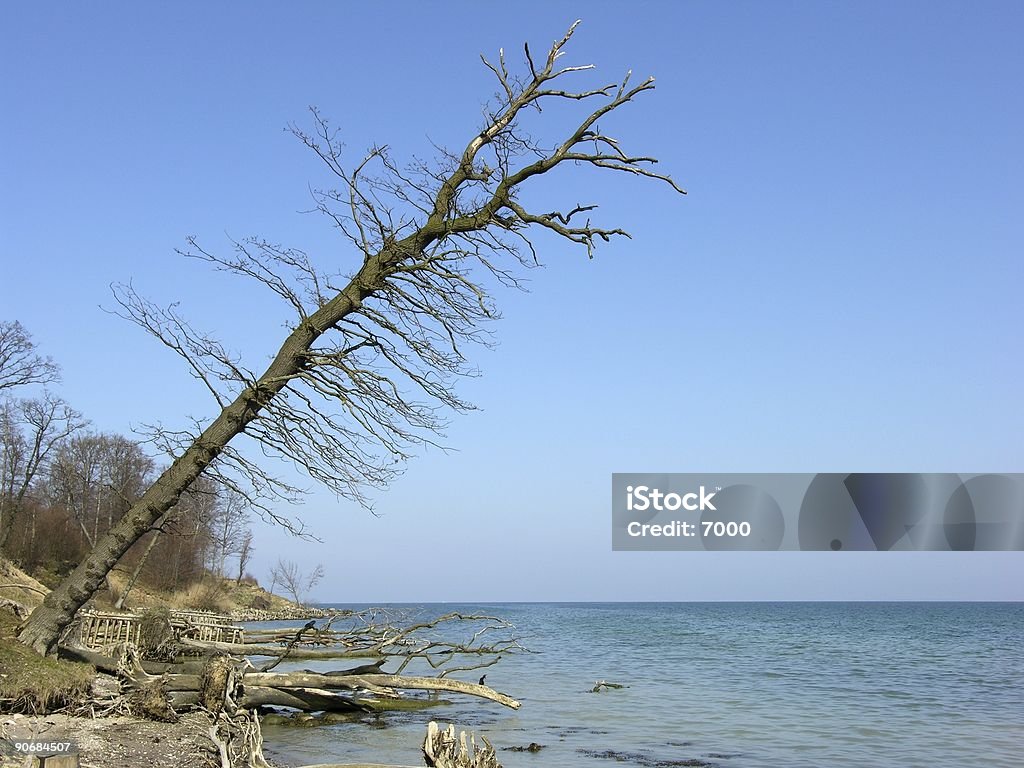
{"x":33,"y":684}
{"x":210,"y":594}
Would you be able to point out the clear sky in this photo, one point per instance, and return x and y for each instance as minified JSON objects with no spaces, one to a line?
{"x":840,"y":290}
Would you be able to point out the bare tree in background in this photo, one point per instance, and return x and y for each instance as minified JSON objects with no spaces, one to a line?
{"x":228,"y":528}
{"x":367,"y":371}
{"x":20,"y":364}
{"x":245,"y":550}
{"x":296,"y":584}
{"x":183,"y":539}
{"x":31,"y":430}
{"x":97,"y":477}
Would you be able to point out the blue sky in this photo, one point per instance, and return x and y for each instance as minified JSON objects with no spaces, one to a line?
{"x":839,"y":291}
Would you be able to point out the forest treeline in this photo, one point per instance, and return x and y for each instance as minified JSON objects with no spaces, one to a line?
{"x":64,"y":484}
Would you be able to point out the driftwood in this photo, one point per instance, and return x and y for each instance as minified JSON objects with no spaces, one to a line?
{"x":375,"y":633}
{"x":263,"y":649}
{"x":306,"y":699}
{"x":441,"y":749}
{"x":217,"y":684}
{"x":101,"y":661}
{"x":239,"y":739}
{"x":143,"y":694}
{"x":286,"y":634}
{"x":227,"y":685}
{"x":29,"y":587}
{"x":382,"y":685}
{"x":224,"y":685}
{"x":178,"y":666}
{"x":231,"y":689}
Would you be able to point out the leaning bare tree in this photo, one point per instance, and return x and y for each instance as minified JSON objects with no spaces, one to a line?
{"x":367,"y":370}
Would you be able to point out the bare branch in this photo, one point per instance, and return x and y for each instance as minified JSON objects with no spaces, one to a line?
{"x":20,"y":364}
{"x":366,"y":375}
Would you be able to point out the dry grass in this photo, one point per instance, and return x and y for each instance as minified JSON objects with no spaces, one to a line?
{"x":206,"y":595}
{"x":254,"y":596}
{"x":32,"y":684}
{"x":18,"y":585}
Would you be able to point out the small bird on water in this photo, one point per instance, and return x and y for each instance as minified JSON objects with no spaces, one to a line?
{"x":482,"y":678}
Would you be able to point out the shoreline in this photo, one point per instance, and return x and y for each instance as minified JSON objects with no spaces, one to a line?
{"x":106,"y":741}
{"x":103,"y":742}
{"x":295,"y":613}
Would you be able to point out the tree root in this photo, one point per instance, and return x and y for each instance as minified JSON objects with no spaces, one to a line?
{"x":239,"y":740}
{"x":442,"y":750}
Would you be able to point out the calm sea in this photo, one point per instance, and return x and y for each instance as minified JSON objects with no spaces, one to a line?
{"x":736,"y":685}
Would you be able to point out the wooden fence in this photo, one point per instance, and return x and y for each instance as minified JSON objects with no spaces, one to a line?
{"x":102,"y":629}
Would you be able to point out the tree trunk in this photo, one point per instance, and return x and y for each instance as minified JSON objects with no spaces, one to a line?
{"x":296,"y":652}
{"x":307,"y":699}
{"x":48,"y":621}
{"x":138,"y":569}
{"x":44,"y":627}
{"x":472,"y":208}
{"x":377,"y":684}
{"x":14,"y":509}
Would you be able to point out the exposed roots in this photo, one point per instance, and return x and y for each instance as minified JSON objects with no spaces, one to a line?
{"x":239,"y":740}
{"x":441,"y":749}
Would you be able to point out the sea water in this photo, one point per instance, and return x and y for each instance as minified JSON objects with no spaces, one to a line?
{"x":735,"y":685}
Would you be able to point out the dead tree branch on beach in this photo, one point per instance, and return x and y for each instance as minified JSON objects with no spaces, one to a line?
{"x":228,"y":681}
{"x":367,"y":371}
{"x":381,"y":634}
{"x":230,"y":691}
{"x":225,"y":685}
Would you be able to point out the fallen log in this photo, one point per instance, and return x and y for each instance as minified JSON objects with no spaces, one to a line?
{"x":179,"y":667}
{"x":303,"y":690}
{"x":284,"y":634}
{"x":376,"y":683}
{"x":180,"y":699}
{"x":182,"y":682}
{"x":315,"y":680}
{"x":362,"y":669}
{"x":301,"y":699}
{"x":262,"y":649}
{"x":100,"y":661}
{"x":307,"y":699}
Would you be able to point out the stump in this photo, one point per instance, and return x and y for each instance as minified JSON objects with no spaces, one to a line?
{"x":216,"y":683}
{"x":442,"y":750}
{"x":149,"y":699}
